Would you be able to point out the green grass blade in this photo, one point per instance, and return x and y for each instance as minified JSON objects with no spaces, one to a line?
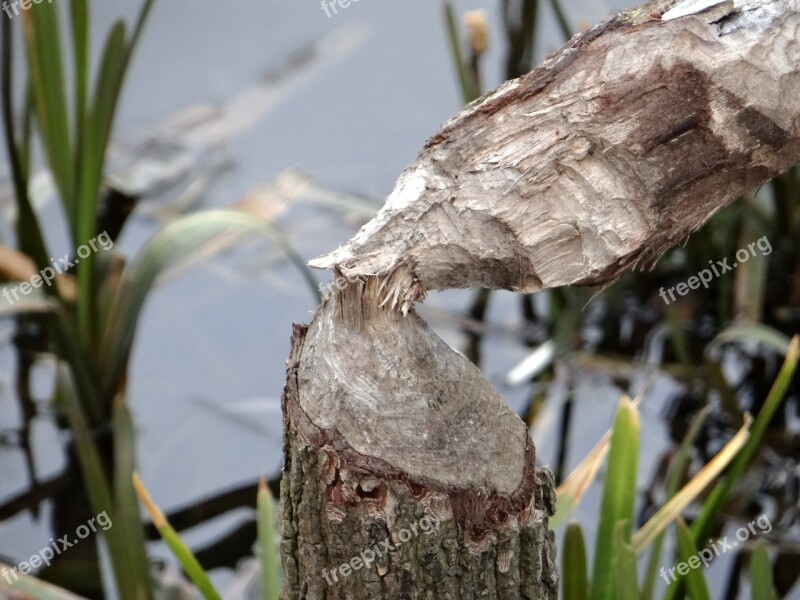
{"x":574,"y":574}
{"x":619,"y":495}
{"x":95,"y":477}
{"x":179,"y":549}
{"x":268,"y":544}
{"x":624,"y":565}
{"x":127,"y":519}
{"x":79,"y":18}
{"x":43,"y":41}
{"x":98,"y":126}
{"x":173,"y":243}
{"x":88,"y":455}
{"x":95,"y":135}
{"x":95,"y":139}
{"x":33,"y":588}
{"x":676,"y":472}
{"x":465,"y":81}
{"x":719,"y":496}
{"x":687,"y":551}
{"x":144,"y":15}
{"x":761,"y":584}
{"x":29,"y":234}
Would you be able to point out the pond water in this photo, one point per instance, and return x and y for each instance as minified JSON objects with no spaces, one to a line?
{"x":208,"y":366}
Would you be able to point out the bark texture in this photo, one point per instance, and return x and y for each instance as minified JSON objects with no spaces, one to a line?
{"x":615,"y":149}
{"x":390,"y":435}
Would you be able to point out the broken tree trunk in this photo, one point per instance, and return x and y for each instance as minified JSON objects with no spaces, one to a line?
{"x":406,"y":474}
{"x":615,"y":149}
{"x":393,"y":439}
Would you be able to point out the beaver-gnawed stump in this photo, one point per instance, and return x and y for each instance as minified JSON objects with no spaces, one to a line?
{"x":407,"y":475}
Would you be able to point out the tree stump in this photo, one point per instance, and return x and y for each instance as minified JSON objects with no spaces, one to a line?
{"x":407,"y":475}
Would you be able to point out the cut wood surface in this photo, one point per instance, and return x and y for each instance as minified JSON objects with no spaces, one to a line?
{"x":615,"y":149}
{"x":386,"y":426}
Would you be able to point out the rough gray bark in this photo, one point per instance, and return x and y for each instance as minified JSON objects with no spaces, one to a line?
{"x":616,"y":148}
{"x":385,"y":426}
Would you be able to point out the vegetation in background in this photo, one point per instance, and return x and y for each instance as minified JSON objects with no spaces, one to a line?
{"x":615,"y":573}
{"x":88,"y":320}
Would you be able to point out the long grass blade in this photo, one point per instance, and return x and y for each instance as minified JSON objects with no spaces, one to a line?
{"x":29,"y":233}
{"x":127,"y":519}
{"x":179,"y":549}
{"x":96,"y":134}
{"x":177,"y":240}
{"x":687,"y":551}
{"x":574,"y":574}
{"x":88,"y":454}
{"x":43,"y":40}
{"x":141,"y":20}
{"x":719,"y":496}
{"x":268,"y":544}
{"x":79,"y":18}
{"x":676,"y":470}
{"x":619,"y":496}
{"x":672,"y":509}
{"x":95,"y":477}
{"x":761,"y":584}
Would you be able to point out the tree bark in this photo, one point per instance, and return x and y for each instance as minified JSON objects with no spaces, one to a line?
{"x":388,"y":429}
{"x":615,"y":149}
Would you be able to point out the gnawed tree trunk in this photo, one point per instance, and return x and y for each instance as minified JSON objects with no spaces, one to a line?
{"x":616,"y":148}
{"x":390,"y":435}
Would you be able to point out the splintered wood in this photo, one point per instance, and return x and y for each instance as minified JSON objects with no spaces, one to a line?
{"x":615,"y":149}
